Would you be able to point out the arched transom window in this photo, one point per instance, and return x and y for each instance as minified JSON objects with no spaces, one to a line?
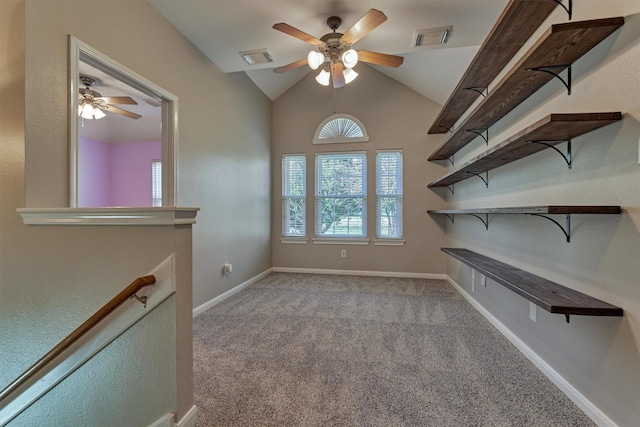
{"x":340,"y":129}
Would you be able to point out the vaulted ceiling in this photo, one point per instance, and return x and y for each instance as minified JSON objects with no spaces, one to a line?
{"x":222,"y":29}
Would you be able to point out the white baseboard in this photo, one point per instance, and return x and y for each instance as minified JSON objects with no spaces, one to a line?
{"x":189,"y":419}
{"x":207,"y":305}
{"x":591,"y":410}
{"x":360,"y":273}
{"x":165,"y":421}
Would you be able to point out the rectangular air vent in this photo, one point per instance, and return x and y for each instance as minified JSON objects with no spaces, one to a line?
{"x":430,"y":36}
{"x":258,"y":56}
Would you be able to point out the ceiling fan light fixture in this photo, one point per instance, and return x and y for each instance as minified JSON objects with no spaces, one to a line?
{"x":315,"y":59}
{"x":88,"y":111}
{"x":349,"y":75}
{"x":349,"y":58}
{"x":323,"y":78}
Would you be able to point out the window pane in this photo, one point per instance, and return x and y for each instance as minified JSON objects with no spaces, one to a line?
{"x":341,"y":195}
{"x":389,"y":194}
{"x":156,"y":183}
{"x":294,"y":178}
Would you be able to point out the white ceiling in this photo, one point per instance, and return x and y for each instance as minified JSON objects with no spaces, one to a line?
{"x":223,"y":28}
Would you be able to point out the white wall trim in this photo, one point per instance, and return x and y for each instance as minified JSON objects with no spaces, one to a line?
{"x":165,"y":421}
{"x":591,"y":410}
{"x":339,"y":241}
{"x":189,"y":419}
{"x":109,"y":216}
{"x":207,"y":305}
{"x":121,"y":319}
{"x":361,"y":273}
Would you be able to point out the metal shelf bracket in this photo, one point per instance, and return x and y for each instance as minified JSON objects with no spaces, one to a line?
{"x":484,"y":91}
{"x":484,"y":133}
{"x":547,"y":142}
{"x":549,"y":70}
{"x":485,"y":180}
{"x":566,"y":229}
{"x":569,"y":10}
{"x":484,"y":220}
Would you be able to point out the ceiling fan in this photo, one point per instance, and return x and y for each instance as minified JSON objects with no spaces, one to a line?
{"x":91,"y":103}
{"x":334,"y":50}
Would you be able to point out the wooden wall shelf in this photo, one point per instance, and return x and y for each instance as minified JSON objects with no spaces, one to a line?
{"x":548,"y":132}
{"x":559,"y":47}
{"x":515,"y":25}
{"x":551,"y":296}
{"x":540,"y":211}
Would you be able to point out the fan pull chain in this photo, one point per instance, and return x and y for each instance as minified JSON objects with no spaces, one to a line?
{"x":334,"y":100}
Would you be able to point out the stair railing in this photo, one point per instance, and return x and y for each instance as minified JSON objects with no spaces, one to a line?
{"x":127,"y":293}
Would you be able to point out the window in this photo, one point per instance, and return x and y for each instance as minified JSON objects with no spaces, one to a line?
{"x":340,"y":128}
{"x":389,"y":194}
{"x":294,"y":179}
{"x":341,"y":195}
{"x":156,"y":183}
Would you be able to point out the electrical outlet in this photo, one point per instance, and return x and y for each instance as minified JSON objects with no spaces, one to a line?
{"x":532,"y":312}
{"x":473,"y":280}
{"x":343,"y":253}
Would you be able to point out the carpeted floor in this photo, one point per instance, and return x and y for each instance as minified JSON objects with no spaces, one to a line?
{"x":321,"y":350}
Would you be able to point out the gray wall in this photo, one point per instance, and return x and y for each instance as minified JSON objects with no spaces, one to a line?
{"x":395,"y":117}
{"x":54,"y":278}
{"x":598,"y":356}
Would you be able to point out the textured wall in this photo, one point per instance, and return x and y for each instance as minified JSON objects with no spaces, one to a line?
{"x":598,"y":356}
{"x":224,"y":129}
{"x":395,"y":117}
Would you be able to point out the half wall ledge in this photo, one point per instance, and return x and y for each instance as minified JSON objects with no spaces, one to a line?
{"x":109,"y":216}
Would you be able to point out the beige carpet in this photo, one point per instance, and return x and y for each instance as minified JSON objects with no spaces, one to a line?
{"x":321,"y":350}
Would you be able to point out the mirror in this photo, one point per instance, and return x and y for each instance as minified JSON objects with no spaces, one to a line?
{"x":123,"y":134}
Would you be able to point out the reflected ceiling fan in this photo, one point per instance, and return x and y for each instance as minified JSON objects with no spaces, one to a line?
{"x":334,"y":50}
{"x":91,"y":103}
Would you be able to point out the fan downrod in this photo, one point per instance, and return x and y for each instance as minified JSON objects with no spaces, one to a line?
{"x":334,"y":22}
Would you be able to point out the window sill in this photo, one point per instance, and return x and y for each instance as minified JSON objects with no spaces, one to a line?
{"x":340,"y":241}
{"x":294,"y":240}
{"x":169,"y":215}
{"x":388,"y":242}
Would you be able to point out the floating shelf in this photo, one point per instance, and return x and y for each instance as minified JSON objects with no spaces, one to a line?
{"x":546,"y":133}
{"x":557,"y":49}
{"x":544,"y":293}
{"x":540,"y":211}
{"x":514,"y":27}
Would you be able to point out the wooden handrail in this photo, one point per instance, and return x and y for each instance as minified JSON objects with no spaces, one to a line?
{"x":124,"y":295}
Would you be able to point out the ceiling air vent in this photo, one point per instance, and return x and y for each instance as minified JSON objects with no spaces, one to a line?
{"x":258,"y":56}
{"x":430,"y":36}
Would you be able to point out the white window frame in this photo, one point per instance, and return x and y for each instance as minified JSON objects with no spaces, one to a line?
{"x":340,"y":129}
{"x":288,"y":197}
{"x":321,"y":238}
{"x":382,"y":191}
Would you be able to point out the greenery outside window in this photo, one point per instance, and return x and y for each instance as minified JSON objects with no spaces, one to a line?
{"x":294,"y":194}
{"x":389,"y":194}
{"x":341,"y":195}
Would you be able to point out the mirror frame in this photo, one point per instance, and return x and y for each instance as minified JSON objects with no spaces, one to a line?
{"x":80,"y":51}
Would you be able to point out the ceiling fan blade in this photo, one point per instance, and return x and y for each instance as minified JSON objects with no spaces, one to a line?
{"x":112,"y":109}
{"x":366,"y":24}
{"x":380,"y":58}
{"x":293,"y":65}
{"x":118,"y":100}
{"x":292,"y":31}
{"x":337,"y":74}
